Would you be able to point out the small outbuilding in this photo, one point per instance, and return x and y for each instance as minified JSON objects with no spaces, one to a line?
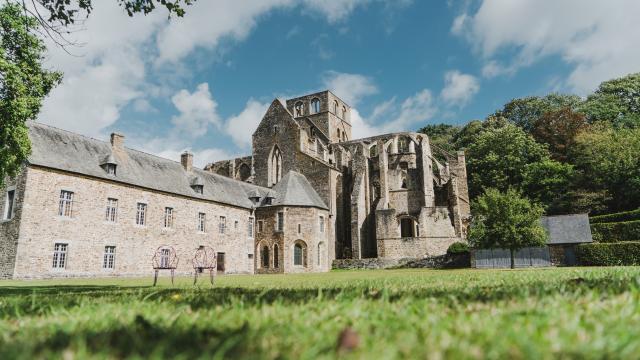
{"x":565,"y":233}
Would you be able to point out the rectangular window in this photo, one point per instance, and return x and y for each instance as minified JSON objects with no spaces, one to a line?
{"x":281,"y":221}
{"x":260,"y":226}
{"x":250,"y":227}
{"x":8,"y":206}
{"x":168,"y":217}
{"x":222,"y":224}
{"x":299,"y":228}
{"x":235,"y":225}
{"x":59,"y":255}
{"x":141,"y":214}
{"x":202,"y":222}
{"x":65,"y":207}
{"x":111,"y":169}
{"x":109,"y":259}
{"x":321,"y":222}
{"x":112,"y":210}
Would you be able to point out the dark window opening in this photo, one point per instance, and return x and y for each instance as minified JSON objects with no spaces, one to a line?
{"x":406,"y":227}
{"x":265,"y":257}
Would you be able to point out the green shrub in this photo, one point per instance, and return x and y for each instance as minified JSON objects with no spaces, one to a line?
{"x":614,"y":232}
{"x":609,"y":254}
{"x":458,"y":248}
{"x":617,"y":217}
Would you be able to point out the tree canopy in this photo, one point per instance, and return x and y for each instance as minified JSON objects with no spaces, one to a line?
{"x":23,"y":85}
{"x":506,"y":220}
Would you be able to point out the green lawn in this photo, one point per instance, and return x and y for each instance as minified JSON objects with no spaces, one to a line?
{"x":538,"y":313}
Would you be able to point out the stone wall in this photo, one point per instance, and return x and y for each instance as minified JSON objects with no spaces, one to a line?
{"x":10,"y":228}
{"x":307,"y":221}
{"x":87,"y":232}
{"x":456,"y":261}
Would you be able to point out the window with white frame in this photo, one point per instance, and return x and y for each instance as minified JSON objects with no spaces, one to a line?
{"x":168,"y":217}
{"x":321,"y":223}
{"x":280,"y":221}
{"x":109,"y":259}
{"x":202,"y":221}
{"x":9,"y":204}
{"x":59,"y":255}
{"x":250,"y":227}
{"x":222,"y":224}
{"x":112,"y":210}
{"x":260,"y":226}
{"x":65,"y":207}
{"x":141,"y":214}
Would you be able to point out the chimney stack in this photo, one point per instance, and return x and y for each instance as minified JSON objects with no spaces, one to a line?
{"x":117,"y":141}
{"x":187,"y":160}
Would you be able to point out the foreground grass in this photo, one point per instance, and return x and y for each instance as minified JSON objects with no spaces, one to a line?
{"x":537,"y":313}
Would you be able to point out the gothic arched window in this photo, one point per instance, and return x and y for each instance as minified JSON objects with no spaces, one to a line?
{"x":275,"y":166}
{"x":335,"y":107}
{"x":265,"y":257}
{"x":315,"y":106}
{"x":276,"y":256}
{"x":299,"y":109}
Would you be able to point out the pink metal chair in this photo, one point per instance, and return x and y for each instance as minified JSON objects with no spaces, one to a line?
{"x":165,"y":258}
{"x":205,"y":258}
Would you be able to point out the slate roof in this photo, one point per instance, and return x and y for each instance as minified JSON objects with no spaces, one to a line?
{"x":67,"y":151}
{"x":295,"y":190}
{"x":567,"y":229}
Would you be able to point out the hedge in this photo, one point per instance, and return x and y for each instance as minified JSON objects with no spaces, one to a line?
{"x":617,"y":217}
{"x":609,"y":254}
{"x":614,"y":232}
{"x":458,"y":248}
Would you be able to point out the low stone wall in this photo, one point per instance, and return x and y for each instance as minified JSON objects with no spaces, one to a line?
{"x":432,"y":262}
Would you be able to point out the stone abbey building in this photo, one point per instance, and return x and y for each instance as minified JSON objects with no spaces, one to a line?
{"x":307,"y":195}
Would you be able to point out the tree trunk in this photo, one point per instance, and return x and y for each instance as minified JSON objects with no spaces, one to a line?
{"x":513,"y":258}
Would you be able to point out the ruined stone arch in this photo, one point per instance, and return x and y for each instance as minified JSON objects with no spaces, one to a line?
{"x":315,"y":106}
{"x":409,"y":226}
{"x":298,"y":109}
{"x":244,"y":172}
{"x":275,"y":165}
{"x":263,"y":255}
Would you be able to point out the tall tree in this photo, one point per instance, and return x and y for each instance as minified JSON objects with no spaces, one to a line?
{"x":609,"y":159}
{"x":506,"y":220}
{"x":24,"y":83}
{"x":558,"y":129}
{"x":497,"y":158}
{"x":525,"y":111}
{"x":616,"y":101}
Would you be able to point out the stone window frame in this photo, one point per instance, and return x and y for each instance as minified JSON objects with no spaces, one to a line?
{"x":300,"y":254}
{"x":60,"y":255}
{"x":298,"y":109}
{"x":315,"y":106}
{"x":321,"y":224}
{"x":111,"y":213}
{"x":265,"y":258}
{"x":260,"y":226}
{"x":280,"y":221}
{"x":299,"y":228}
{"x":335,"y":107}
{"x":201,"y":224}
{"x":141,"y":213}
{"x":250,"y":227}
{"x":65,"y":204}
{"x":414,"y":227}
{"x":168,"y":217}
{"x":109,"y":258}
{"x":276,"y":256}
{"x":222,"y":224}
{"x":321,"y":247}
{"x":110,"y":169}
{"x":9,"y":211}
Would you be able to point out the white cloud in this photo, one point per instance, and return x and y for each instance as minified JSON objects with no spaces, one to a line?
{"x":390,"y":116}
{"x":197,"y":111}
{"x":201,"y":157}
{"x":349,"y":87}
{"x":241,"y":127}
{"x":598,"y":38}
{"x":334,"y":10}
{"x":459,"y":88}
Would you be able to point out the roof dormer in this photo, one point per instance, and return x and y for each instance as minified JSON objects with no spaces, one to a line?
{"x":109,"y":164}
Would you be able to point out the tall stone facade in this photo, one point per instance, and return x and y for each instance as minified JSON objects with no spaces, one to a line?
{"x":308,"y":194}
{"x":390,"y":196}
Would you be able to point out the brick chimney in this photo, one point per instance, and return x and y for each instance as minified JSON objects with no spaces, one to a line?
{"x":117,"y":141}
{"x":187,"y":160}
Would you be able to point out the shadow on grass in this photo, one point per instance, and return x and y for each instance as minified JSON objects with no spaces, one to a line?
{"x":38,"y":300}
{"x":140,"y":338}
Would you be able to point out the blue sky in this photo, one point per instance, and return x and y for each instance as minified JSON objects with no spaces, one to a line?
{"x":203,"y":82}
